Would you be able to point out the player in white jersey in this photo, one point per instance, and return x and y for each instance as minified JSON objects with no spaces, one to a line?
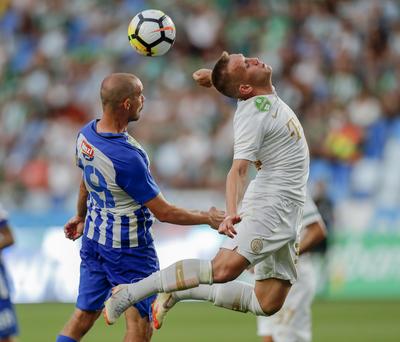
{"x":117,"y":199}
{"x":292,"y":323}
{"x":268,"y":133}
{"x":8,"y":319}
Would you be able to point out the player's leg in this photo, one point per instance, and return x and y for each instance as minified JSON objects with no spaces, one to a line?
{"x":253,"y":243}
{"x":8,"y":322}
{"x":8,"y":318}
{"x":78,"y":325}
{"x":138,"y":328}
{"x":263,"y":299}
{"x":276,"y":272}
{"x":93,"y":290}
{"x":273,"y":280}
{"x":130,"y":266}
{"x":271,"y":294}
{"x":184,"y":274}
{"x":293,"y":322}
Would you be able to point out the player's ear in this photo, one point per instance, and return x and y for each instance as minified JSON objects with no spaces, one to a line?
{"x":245,"y":89}
{"x":126,"y":104}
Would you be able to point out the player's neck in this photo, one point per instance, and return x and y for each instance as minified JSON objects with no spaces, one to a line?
{"x":111,"y":125}
{"x":266,"y":90}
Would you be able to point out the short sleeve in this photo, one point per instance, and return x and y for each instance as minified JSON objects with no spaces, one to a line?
{"x":78,"y":160}
{"x":134,"y":177}
{"x":248,"y":135}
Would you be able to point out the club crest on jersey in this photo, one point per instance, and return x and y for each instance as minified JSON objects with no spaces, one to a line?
{"x":87,"y":150}
{"x":262,"y":104}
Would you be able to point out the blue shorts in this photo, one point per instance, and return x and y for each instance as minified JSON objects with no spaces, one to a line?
{"x":8,"y":319}
{"x":104,"y":267}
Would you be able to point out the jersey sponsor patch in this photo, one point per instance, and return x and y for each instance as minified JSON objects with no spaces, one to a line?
{"x":87,"y":150}
{"x":262,"y":104}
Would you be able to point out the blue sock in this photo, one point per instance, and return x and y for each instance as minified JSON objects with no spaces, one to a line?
{"x":62,"y":338}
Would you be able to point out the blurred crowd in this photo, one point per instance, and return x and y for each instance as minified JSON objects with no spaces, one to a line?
{"x":336,"y":63}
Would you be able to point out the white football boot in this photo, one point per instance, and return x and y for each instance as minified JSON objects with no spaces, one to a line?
{"x":161,"y":305}
{"x":119,"y":301}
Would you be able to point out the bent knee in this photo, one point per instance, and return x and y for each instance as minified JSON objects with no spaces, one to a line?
{"x":223,"y":273}
{"x":85,"y":318}
{"x":270,"y":308}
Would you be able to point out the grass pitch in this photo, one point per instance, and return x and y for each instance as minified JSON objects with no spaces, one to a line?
{"x":350,"y":321}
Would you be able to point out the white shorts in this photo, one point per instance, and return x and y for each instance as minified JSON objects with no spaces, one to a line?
{"x":293,"y":322}
{"x":268,"y":236}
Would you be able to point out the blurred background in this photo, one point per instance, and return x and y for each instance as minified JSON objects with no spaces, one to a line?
{"x":336,"y":63}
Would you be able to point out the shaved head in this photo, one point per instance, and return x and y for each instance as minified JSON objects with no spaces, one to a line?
{"x":116,"y":87}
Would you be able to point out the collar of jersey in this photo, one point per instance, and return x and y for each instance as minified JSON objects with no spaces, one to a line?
{"x":106,"y":135}
{"x":244,"y":105}
{"x":272,"y":97}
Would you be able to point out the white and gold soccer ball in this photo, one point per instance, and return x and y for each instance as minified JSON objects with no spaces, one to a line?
{"x":151,"y":32}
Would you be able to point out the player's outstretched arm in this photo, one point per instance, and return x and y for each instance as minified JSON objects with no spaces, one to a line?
{"x":203,"y":77}
{"x":167,"y":212}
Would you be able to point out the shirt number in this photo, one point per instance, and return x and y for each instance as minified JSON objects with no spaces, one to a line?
{"x":294,"y":129}
{"x":98,"y":184}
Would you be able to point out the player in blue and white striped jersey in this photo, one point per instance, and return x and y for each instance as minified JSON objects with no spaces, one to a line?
{"x":116,"y":202}
{"x":8,"y":319}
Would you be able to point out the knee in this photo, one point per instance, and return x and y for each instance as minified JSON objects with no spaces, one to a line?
{"x":85,"y":319}
{"x":270,"y":307}
{"x":223,"y":273}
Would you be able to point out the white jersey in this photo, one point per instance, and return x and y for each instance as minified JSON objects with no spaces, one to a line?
{"x":268,"y":133}
{"x":293,"y":321}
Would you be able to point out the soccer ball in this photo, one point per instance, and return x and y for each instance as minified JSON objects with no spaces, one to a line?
{"x":151,"y":32}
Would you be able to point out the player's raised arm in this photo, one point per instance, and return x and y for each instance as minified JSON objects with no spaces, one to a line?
{"x":167,"y":212}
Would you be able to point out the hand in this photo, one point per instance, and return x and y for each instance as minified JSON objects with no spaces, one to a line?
{"x":73,"y":229}
{"x":203,"y":77}
{"x":216,"y":217}
{"x":227,"y":226}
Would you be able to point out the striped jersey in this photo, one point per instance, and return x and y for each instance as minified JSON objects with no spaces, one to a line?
{"x":117,"y":176}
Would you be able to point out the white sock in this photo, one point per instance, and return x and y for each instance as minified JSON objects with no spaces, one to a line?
{"x":235,"y":295}
{"x":182,"y":275}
